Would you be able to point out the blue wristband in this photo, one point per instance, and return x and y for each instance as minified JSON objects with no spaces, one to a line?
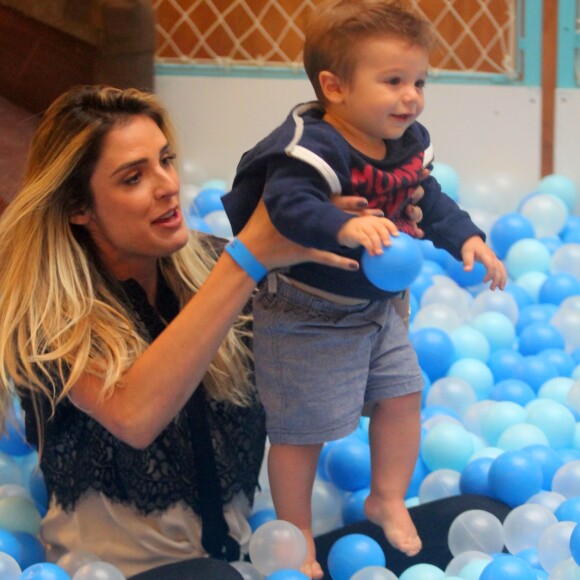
{"x":246,"y":260}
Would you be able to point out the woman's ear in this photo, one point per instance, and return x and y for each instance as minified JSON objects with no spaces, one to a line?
{"x":331,"y":87}
{"x":79,"y":218}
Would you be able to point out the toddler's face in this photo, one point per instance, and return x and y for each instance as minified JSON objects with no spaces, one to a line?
{"x":386,"y":93}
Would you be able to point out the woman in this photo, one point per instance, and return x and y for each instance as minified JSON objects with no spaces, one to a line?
{"x":128,"y":354}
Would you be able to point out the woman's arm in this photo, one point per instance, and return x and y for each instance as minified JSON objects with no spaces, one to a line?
{"x":163,"y":378}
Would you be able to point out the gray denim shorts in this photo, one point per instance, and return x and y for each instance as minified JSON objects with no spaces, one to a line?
{"x":318,"y":362}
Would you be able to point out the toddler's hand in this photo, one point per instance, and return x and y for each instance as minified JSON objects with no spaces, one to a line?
{"x":475,"y":249}
{"x":369,"y":231}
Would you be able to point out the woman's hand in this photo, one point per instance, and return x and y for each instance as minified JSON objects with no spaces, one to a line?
{"x":273,"y":250}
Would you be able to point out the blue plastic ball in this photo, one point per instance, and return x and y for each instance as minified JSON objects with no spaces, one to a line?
{"x":32,"y":549}
{"x":508,"y":229}
{"x":552,"y":243}
{"x":475,"y":477}
{"x":209,"y":200}
{"x":514,"y":477}
{"x":569,"y":510}
{"x":575,"y":544}
{"x":507,"y":567}
{"x":538,"y":370}
{"x":261,"y":517}
{"x":549,"y":461}
{"x":433,"y":254}
{"x":535,"y":313}
{"x":197,"y":223}
{"x":558,"y":287}
{"x":353,"y":506}
{"x":420,"y":472}
{"x":352,"y":553}
{"x":506,"y":363}
{"x":348,"y":464}
{"x":398,"y":265}
{"x":460,"y":276}
{"x":10,"y":545}
{"x":514,"y":390}
{"x":564,"y":361}
{"x":435,"y":351}
{"x":520,"y":295}
{"x":539,"y":336}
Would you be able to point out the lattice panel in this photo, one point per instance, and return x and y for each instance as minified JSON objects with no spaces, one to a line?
{"x":475,"y":35}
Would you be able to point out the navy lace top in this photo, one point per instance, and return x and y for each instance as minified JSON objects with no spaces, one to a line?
{"x":81,"y":456}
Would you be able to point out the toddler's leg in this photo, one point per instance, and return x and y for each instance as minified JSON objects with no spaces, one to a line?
{"x":291,"y":472}
{"x":394,"y":432}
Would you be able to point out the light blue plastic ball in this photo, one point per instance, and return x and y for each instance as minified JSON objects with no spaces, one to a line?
{"x":497,"y":328}
{"x":497,"y":418}
{"x":476,"y":373}
{"x":44,"y":571}
{"x":470,"y":343}
{"x":560,"y":186}
{"x":555,"y":420}
{"x":447,"y":178}
{"x":422,"y":572}
{"x":528,"y":255}
{"x":446,"y":446}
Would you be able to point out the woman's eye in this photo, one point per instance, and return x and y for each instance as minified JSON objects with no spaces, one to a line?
{"x":168,"y":159}
{"x":133,"y":179}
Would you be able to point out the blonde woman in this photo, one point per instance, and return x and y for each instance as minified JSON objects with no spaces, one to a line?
{"x":122,"y":335}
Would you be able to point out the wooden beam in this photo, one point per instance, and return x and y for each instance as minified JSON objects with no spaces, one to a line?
{"x":549,"y":68}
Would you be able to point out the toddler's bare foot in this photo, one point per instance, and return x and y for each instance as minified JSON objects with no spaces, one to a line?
{"x":393,"y":516}
{"x":310,"y":567}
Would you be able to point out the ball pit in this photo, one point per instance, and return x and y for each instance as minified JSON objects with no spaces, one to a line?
{"x":518,"y":352}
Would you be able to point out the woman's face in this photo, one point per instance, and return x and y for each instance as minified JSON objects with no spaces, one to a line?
{"x":136,"y":217}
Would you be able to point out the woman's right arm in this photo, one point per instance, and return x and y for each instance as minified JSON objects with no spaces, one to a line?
{"x":163,"y":378}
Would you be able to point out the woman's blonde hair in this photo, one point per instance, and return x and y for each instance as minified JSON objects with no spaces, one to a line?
{"x":334,"y":32}
{"x":60,"y":313}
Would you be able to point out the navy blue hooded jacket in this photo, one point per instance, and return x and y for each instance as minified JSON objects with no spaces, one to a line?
{"x":304,"y":162}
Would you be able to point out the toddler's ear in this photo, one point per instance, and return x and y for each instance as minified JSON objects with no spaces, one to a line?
{"x":331,"y":87}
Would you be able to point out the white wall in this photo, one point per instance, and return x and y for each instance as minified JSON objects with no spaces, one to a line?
{"x":489,"y":134}
{"x":567,"y":136}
